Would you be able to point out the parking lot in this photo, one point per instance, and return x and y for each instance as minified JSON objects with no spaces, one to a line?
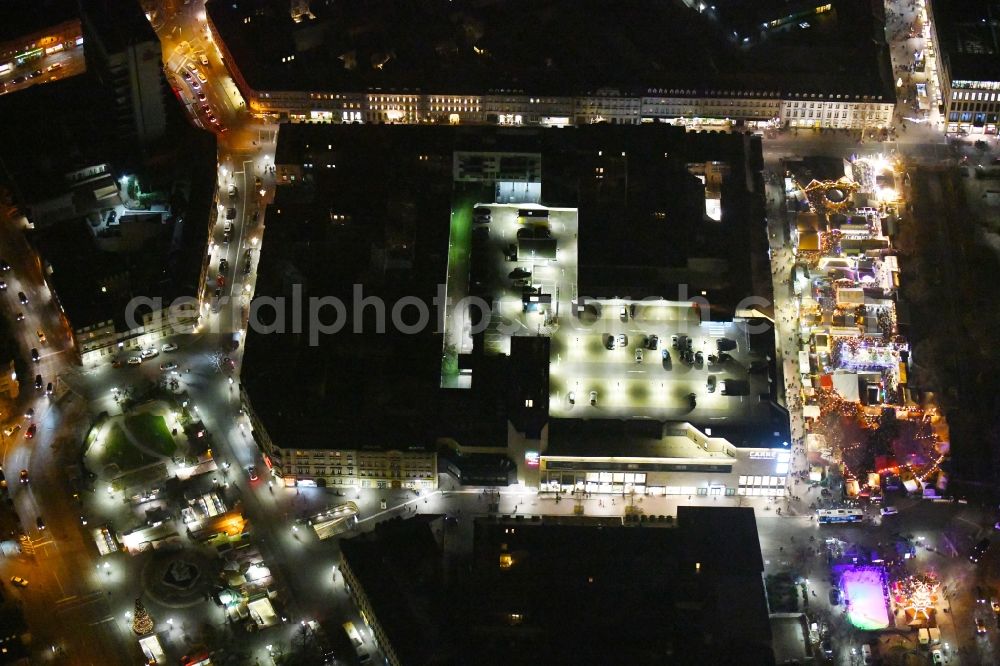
{"x":655,"y":359}
{"x":526,"y":266}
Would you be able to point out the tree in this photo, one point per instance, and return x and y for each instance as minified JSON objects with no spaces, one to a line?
{"x":142,"y":623}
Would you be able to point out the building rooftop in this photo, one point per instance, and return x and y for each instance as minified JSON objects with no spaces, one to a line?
{"x":366,"y":221}
{"x":643,"y":227}
{"x":556,"y":47}
{"x":351,"y":219}
{"x":95,"y":277}
{"x":967,"y":38}
{"x":22,"y":17}
{"x":398,"y":565}
{"x":118,"y":24}
{"x":547,"y":587}
{"x":60,"y":127}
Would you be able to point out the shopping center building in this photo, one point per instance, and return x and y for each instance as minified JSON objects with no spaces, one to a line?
{"x":627,"y":346}
{"x":486,"y":67}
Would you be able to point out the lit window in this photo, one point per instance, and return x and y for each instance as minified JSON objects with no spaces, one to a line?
{"x":506,"y":561}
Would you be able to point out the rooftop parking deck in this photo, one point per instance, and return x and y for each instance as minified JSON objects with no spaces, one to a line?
{"x":646,"y":360}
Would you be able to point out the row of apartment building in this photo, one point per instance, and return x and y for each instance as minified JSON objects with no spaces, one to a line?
{"x":711,"y":109}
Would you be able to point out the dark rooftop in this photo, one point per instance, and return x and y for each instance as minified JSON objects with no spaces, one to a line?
{"x":22,"y":17}
{"x":766,"y":428}
{"x":558,"y":588}
{"x":559,"y":47}
{"x":118,"y":23}
{"x":94,"y":278}
{"x":399,"y":567}
{"x":643,"y":228}
{"x":370,"y":221}
{"x":617,"y":593}
{"x":968,"y":38}
{"x":51,"y":136}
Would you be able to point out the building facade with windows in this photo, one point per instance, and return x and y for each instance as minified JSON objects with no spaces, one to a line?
{"x":836,"y":111}
{"x":22,"y":49}
{"x":969,"y":64}
{"x":708,"y":109}
{"x":342,"y":467}
{"x":124,"y":54}
{"x":277,"y":83}
{"x":682,"y":461}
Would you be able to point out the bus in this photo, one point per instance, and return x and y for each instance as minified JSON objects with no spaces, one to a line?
{"x":357,"y":642}
{"x":839,"y":515}
{"x":353,"y":634}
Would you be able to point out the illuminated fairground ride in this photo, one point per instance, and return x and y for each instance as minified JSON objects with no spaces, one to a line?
{"x":916,"y":596}
{"x":830,"y":196}
{"x":912,"y":448}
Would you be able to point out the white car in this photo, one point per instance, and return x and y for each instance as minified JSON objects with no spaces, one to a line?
{"x":638,"y":355}
{"x":134,"y":360}
{"x":150,"y":352}
{"x":201,"y":75}
{"x":169,"y":347}
{"x":889,"y":511}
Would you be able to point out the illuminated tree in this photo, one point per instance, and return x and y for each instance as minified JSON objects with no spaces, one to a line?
{"x":142,"y":623}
